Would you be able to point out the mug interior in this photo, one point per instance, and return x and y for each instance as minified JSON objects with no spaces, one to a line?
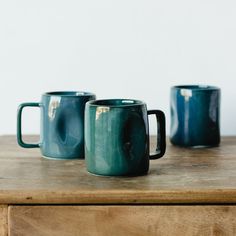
{"x":196,"y":87}
{"x":69,"y":93}
{"x":115,"y":102}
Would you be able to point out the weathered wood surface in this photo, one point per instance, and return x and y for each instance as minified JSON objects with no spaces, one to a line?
{"x":122,"y":220}
{"x":3,"y":220}
{"x":182,"y":176}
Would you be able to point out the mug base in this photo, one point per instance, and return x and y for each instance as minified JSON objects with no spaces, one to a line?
{"x":196,"y":146}
{"x":62,"y":158}
{"x":203,"y":146}
{"x":117,"y":176}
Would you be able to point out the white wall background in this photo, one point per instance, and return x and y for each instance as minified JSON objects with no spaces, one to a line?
{"x":126,"y":48}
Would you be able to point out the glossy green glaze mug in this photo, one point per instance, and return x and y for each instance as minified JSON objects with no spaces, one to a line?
{"x":195,"y":116}
{"x":117,"y":137}
{"x":62,"y":124}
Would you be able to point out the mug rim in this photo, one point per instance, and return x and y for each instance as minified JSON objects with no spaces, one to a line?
{"x":196,"y":87}
{"x":68,"y":93}
{"x":105,"y":103}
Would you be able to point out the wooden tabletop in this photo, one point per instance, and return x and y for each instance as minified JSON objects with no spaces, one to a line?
{"x":183,"y":176}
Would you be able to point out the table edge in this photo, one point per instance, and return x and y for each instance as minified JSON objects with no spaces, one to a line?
{"x":199,"y":196}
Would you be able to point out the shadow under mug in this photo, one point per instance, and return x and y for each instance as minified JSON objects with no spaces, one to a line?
{"x":117,"y":137}
{"x":62,"y":124}
{"x":195,"y":115}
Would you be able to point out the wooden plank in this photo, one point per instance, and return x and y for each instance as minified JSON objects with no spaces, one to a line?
{"x":122,"y":220}
{"x":118,"y":197}
{"x":182,"y":176}
{"x":3,"y":220}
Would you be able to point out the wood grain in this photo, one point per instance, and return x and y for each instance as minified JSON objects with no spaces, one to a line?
{"x":3,"y":221}
{"x":122,"y":220}
{"x":182,"y":176}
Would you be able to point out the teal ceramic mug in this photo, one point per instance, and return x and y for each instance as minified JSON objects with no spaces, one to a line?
{"x":195,"y":115}
{"x":117,"y":137}
{"x":62,"y":124}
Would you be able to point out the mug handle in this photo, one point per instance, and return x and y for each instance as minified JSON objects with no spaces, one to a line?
{"x":19,"y":130}
{"x":161,"y":134}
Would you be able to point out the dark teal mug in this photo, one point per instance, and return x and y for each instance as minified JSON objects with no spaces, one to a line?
{"x":62,"y":124}
{"x":195,"y":116}
{"x":117,"y":137}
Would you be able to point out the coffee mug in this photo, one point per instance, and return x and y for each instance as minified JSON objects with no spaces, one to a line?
{"x":117,"y":137}
{"x":195,"y":115}
{"x":62,"y":124}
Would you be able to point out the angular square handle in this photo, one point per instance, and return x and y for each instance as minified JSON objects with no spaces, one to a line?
{"x":19,"y":125}
{"x":161,"y":133}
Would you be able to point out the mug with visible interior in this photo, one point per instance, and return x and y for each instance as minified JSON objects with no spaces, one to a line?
{"x":62,"y":124}
{"x":195,"y":115}
{"x":117,"y":137}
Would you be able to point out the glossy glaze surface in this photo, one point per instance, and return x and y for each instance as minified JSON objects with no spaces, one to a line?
{"x":117,"y":137}
{"x":195,"y":115}
{"x":62,"y":124}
